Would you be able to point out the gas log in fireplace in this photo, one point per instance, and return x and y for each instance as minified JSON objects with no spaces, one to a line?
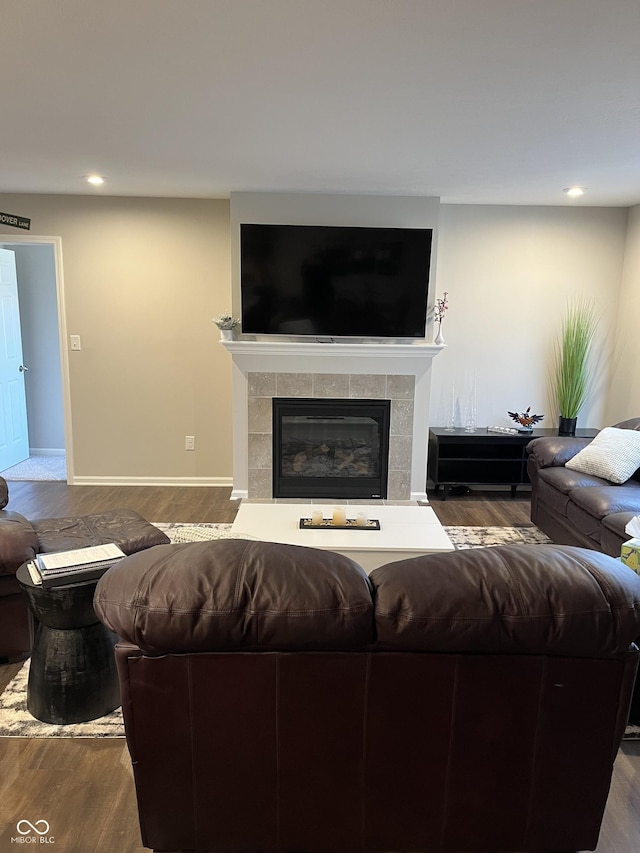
{"x":335,"y":449}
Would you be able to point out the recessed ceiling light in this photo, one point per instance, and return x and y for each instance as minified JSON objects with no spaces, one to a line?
{"x":574,"y":192}
{"x":96,"y":180}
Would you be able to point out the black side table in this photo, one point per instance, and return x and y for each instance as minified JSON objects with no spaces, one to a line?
{"x":72,"y":677}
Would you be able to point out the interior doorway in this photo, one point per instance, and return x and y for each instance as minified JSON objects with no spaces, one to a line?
{"x":42,"y":320}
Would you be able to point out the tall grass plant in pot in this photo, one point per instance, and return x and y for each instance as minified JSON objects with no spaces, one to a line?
{"x":571,"y":373}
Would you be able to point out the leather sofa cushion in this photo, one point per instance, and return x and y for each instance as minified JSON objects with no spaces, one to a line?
{"x":124,"y":527}
{"x":236,"y":594}
{"x":565,"y":480}
{"x":585,"y":524}
{"x":600,"y":501}
{"x":9,"y":586}
{"x":631,"y":423}
{"x":552,"y":450}
{"x":4,"y":493}
{"x":515,"y":599}
{"x":617,"y":521}
{"x":19,"y":541}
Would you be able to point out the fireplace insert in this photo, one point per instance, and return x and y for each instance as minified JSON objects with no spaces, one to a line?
{"x":330,"y":448}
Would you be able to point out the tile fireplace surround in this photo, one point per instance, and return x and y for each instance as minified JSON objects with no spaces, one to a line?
{"x":263,"y":370}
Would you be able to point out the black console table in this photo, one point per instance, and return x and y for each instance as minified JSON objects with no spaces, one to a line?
{"x":457,"y":457}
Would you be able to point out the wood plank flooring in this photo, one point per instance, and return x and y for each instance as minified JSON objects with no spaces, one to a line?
{"x":186,"y":504}
{"x":84,"y":787}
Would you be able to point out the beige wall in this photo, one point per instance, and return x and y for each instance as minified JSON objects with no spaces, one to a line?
{"x":144,"y":277}
{"x":624,"y":396}
{"x":142,"y":280}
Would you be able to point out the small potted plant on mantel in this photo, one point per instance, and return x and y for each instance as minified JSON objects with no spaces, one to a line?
{"x":571,"y":374}
{"x":226,"y":323}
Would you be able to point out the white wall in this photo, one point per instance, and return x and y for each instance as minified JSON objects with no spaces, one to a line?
{"x":509,"y":272}
{"x":624,"y":396}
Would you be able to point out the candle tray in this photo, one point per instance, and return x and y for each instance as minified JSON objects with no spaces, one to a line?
{"x":327,"y":524}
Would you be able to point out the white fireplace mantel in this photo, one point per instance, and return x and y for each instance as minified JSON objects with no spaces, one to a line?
{"x":295,"y":357}
{"x":314,"y":349}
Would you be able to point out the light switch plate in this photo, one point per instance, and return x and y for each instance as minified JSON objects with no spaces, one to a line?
{"x":75,"y":342}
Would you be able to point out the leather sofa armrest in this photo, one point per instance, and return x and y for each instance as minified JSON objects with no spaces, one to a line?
{"x":4,"y":493}
{"x":554,"y":451}
{"x":18,"y":541}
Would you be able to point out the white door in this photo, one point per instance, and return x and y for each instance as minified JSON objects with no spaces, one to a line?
{"x":14,"y":438}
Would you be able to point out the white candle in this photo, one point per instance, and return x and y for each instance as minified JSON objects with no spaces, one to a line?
{"x":316,"y":517}
{"x":361,"y":519}
{"x":339,"y":516}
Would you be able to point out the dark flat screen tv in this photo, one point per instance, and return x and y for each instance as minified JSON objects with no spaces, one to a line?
{"x":333,"y":281}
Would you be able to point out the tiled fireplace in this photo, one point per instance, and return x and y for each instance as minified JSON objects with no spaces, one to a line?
{"x":335,"y":448}
{"x":268,"y":370}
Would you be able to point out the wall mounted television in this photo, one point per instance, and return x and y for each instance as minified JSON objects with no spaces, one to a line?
{"x":334,"y":281}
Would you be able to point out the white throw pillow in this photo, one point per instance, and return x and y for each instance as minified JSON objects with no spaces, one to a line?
{"x":614,"y":455}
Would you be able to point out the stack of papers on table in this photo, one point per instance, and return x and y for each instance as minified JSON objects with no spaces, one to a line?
{"x":64,"y":567}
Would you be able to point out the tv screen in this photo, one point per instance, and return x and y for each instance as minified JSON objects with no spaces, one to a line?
{"x":331,"y":281}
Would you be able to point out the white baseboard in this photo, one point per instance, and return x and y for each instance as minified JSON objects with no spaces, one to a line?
{"x":46,"y":451}
{"x":87,"y":480}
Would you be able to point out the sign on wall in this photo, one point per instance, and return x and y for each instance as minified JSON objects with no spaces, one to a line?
{"x":15,"y":221}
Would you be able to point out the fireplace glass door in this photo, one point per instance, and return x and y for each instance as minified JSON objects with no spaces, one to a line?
{"x":334,"y":449}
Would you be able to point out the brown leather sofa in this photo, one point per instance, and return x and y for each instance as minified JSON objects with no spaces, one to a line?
{"x":579,"y":509}
{"x":21,"y":540}
{"x":277,"y":699}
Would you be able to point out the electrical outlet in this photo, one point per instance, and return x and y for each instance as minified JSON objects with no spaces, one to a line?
{"x":189,"y":442}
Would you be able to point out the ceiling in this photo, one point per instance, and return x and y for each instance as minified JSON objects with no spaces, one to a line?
{"x":475,"y":101}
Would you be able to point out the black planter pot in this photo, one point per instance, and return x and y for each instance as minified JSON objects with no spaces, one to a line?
{"x":567,"y":426}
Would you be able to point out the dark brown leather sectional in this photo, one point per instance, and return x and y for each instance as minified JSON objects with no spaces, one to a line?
{"x":277,"y":699}
{"x":21,"y":540}
{"x":579,"y":509}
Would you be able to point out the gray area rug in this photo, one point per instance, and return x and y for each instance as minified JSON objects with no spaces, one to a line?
{"x":38,"y":468}
{"x":16,"y":721}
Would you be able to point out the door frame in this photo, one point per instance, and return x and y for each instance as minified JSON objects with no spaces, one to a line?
{"x":56,"y":242}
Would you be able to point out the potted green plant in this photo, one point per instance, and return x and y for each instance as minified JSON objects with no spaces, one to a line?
{"x":571,"y":373}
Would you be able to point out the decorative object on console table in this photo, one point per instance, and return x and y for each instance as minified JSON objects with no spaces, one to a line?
{"x":471,"y":422}
{"x":227,"y":325}
{"x":567,"y":426}
{"x":438,"y":315}
{"x":525,"y":420}
{"x":451,"y":417}
{"x":571,"y":377}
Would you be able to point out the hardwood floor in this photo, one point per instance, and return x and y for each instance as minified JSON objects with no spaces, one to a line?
{"x":483,"y":509}
{"x":84,"y":787}
{"x":155,"y":503}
